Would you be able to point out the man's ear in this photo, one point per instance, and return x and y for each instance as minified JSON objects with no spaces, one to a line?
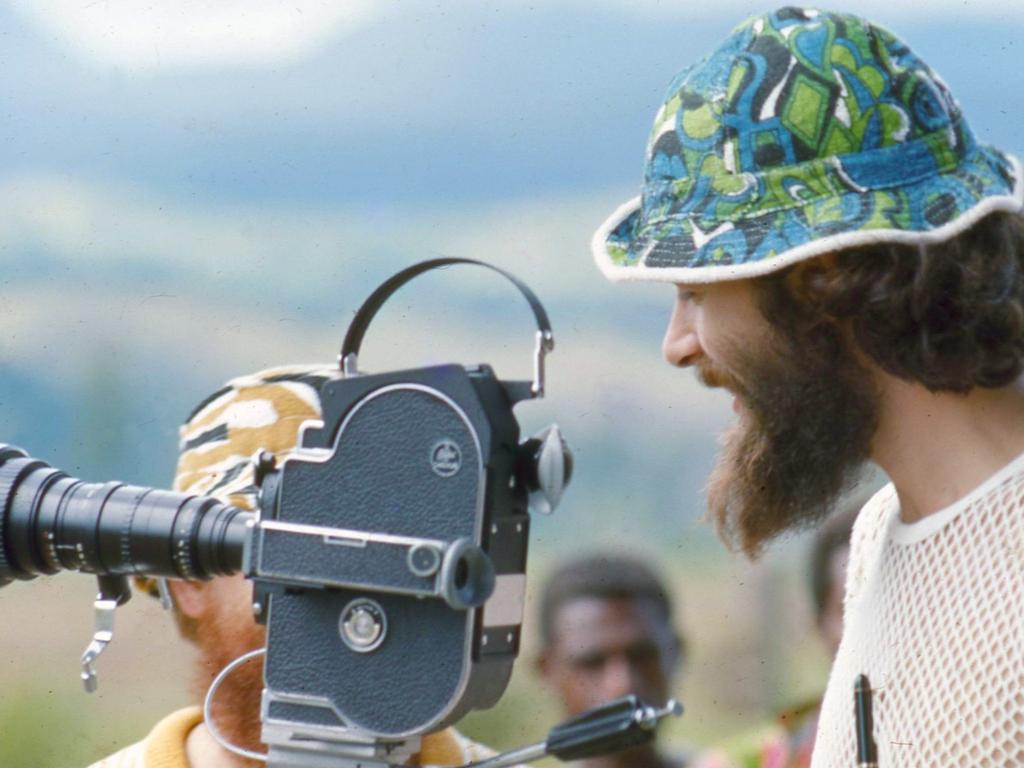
{"x":190,"y":597}
{"x":807,"y":280}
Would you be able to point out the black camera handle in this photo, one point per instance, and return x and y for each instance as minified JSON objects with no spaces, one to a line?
{"x":349,"y":355}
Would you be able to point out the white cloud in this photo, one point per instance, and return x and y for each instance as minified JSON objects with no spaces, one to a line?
{"x":168,"y":35}
{"x":881,"y":10}
{"x":161,"y":35}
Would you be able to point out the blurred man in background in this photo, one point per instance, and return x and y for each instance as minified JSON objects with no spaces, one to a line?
{"x":849,"y":264}
{"x":793,"y":745}
{"x":830,"y":556}
{"x":789,"y":742}
{"x":607,"y":631}
{"x":259,"y":412}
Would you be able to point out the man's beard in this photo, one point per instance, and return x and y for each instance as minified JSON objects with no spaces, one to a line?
{"x":236,"y":704}
{"x":809,"y":414}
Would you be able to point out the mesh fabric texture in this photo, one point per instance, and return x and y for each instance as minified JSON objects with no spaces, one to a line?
{"x":934,"y":616}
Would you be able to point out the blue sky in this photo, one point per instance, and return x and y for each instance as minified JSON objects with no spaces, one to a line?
{"x":368,"y":105}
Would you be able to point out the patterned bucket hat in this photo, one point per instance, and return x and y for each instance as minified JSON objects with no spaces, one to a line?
{"x":805,"y":132}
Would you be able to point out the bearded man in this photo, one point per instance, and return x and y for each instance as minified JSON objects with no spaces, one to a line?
{"x":259,"y":412}
{"x":848,"y":264}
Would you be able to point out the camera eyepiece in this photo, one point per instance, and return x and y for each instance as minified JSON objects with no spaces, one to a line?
{"x":467,"y":575}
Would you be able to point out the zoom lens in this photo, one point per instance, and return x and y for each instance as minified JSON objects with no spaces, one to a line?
{"x":51,"y":522}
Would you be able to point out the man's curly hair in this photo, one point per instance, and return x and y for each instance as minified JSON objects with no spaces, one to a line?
{"x":949,"y":316}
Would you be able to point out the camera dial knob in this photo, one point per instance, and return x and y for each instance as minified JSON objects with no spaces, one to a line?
{"x":363,"y":625}
{"x":547,"y":469}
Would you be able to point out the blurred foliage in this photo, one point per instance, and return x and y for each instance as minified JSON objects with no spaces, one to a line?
{"x":45,"y":729}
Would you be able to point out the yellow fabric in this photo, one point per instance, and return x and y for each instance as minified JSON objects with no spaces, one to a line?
{"x":263,"y":411}
{"x":198,"y":468}
{"x":164,"y":747}
{"x":441,"y":748}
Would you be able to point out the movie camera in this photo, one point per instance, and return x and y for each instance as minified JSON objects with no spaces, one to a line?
{"x":387,"y":555}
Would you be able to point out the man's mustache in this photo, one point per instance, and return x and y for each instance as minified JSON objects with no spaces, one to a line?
{"x":712,"y":375}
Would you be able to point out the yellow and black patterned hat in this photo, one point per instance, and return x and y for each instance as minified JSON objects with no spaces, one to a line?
{"x":262,"y":411}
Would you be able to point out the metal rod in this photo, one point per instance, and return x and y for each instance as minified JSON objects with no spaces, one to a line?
{"x":515,"y":757}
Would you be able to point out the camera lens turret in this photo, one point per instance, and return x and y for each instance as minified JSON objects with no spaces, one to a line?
{"x":51,"y":522}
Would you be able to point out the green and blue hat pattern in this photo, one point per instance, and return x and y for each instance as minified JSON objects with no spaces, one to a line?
{"x":805,"y":132}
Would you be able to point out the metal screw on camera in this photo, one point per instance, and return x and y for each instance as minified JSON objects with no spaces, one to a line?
{"x":424,"y":560}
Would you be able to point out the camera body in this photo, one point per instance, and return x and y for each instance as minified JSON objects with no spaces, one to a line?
{"x":390,"y":553}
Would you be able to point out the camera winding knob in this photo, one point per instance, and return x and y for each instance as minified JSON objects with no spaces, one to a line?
{"x":363,"y":625}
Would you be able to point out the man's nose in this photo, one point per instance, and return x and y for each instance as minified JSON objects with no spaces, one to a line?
{"x":681,"y":347}
{"x":618,"y":678}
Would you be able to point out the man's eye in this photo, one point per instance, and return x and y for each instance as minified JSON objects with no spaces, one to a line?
{"x":690,"y":296}
{"x":588,"y":663}
{"x":646,"y":654}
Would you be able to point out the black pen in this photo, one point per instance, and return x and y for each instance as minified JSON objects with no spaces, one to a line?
{"x":867,"y":751}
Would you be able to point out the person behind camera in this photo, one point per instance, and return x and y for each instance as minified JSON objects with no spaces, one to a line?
{"x":849,"y":263}
{"x":607,"y":631}
{"x":259,"y":412}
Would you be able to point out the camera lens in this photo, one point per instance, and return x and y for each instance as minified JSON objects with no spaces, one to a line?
{"x":51,"y":522}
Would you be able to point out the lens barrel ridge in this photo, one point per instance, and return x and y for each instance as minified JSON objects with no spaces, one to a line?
{"x":51,"y":522}
{"x":7,"y":480}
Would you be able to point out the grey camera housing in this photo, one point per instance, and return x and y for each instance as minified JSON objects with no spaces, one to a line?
{"x":429,"y":456}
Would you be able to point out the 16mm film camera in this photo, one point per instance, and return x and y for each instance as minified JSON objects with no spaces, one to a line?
{"x":388,"y":554}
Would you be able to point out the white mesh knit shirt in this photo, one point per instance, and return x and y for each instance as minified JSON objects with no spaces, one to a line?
{"x":934,"y":616}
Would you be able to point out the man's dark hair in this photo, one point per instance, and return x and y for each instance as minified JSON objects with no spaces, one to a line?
{"x":601,"y":575}
{"x":949,"y":315}
{"x":831,"y":537}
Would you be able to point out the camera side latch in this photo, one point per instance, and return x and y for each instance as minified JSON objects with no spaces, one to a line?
{"x":545,"y":469}
{"x":113,"y":591}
